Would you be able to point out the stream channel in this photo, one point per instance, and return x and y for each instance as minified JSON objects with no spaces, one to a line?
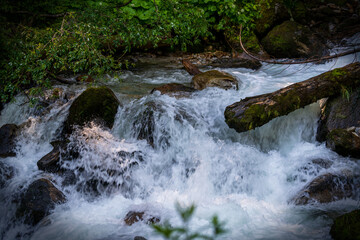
{"x":246,"y":179}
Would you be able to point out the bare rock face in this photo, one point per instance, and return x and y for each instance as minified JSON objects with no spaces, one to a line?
{"x":8,"y":133}
{"x":327,"y":188}
{"x":214,"y":78}
{"x":39,"y":199}
{"x":133,"y":217}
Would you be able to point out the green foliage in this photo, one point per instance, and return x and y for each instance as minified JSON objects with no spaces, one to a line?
{"x":183,"y":232}
{"x":40,"y":40}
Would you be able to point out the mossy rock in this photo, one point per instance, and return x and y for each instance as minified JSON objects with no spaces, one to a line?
{"x":272,"y":12}
{"x":344,"y":142}
{"x":346,"y":227}
{"x":292,"y":40}
{"x":97,"y":104}
{"x":214,"y":78}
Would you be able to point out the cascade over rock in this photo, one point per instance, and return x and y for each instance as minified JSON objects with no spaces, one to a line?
{"x":94,"y":104}
{"x":256,"y":111}
{"x":327,"y":188}
{"x":39,"y":199}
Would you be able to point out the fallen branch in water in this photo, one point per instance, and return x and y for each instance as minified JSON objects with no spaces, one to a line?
{"x":355,"y":50}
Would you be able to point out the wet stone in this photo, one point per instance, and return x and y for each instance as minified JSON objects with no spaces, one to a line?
{"x":39,"y":199}
{"x":133,"y":217}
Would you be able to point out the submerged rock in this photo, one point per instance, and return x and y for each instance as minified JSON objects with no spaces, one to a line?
{"x":292,"y":40}
{"x":214,"y":78}
{"x":339,"y":113}
{"x":345,"y":142}
{"x":327,"y":188}
{"x":133,"y":217}
{"x":346,"y":227}
{"x":94,"y":104}
{"x":39,"y":199}
{"x":174,"y":89}
{"x":8,"y":133}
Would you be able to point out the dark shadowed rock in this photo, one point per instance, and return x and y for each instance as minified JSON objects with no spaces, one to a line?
{"x":139,"y":238}
{"x":49,"y":162}
{"x":133,"y":217}
{"x":327,"y":188}
{"x":8,"y":133}
{"x":174,"y":89}
{"x":292,"y":40}
{"x":214,"y":78}
{"x":94,"y":104}
{"x":339,"y":113}
{"x":39,"y":199}
{"x":345,"y":142}
{"x":346,"y":227}
{"x":236,"y":62}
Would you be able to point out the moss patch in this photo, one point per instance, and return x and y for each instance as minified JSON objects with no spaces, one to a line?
{"x":346,"y":226}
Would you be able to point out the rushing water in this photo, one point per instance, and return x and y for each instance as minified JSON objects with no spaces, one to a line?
{"x":246,"y":179}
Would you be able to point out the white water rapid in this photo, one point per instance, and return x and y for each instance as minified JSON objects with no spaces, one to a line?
{"x":246,"y":179}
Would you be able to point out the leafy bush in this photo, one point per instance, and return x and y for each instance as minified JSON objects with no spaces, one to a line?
{"x":184,"y":232}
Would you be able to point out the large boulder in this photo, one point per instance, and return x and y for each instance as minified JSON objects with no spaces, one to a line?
{"x":39,"y":199}
{"x":174,"y":89}
{"x":214,"y":78}
{"x":94,"y":104}
{"x":8,"y":133}
{"x":293,"y":40}
{"x":340,"y":112}
{"x":345,"y":142}
{"x":346,"y":227}
{"x":327,"y":188}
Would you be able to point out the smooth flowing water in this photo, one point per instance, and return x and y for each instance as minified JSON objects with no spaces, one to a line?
{"x":247,"y":179}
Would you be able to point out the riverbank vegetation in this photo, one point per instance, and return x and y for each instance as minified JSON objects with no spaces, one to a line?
{"x":40,"y":40}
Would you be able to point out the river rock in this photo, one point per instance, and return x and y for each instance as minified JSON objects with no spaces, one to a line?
{"x":214,"y":78}
{"x":8,"y":133}
{"x":133,"y":217}
{"x":340,"y":112}
{"x":49,"y":162}
{"x":39,"y":199}
{"x":139,"y":238}
{"x":346,"y":227}
{"x":242,"y":61}
{"x":327,"y":188}
{"x":293,"y":40}
{"x":94,"y":104}
{"x":345,"y":142}
{"x":174,"y":89}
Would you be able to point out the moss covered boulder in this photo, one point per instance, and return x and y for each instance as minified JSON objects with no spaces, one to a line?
{"x":97,"y":104}
{"x":292,"y":40}
{"x":346,"y":227}
{"x":272,"y":12}
{"x":214,"y":78}
{"x":345,"y":142}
